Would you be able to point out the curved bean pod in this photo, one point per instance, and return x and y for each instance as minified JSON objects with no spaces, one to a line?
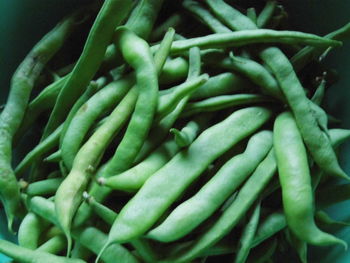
{"x":295,"y":182}
{"x":22,"y":83}
{"x":109,"y":17}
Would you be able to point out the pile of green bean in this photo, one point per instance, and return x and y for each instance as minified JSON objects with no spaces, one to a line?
{"x":190,"y":135}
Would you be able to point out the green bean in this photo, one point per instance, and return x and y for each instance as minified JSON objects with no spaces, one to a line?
{"x":133,"y":178}
{"x":187,"y":134}
{"x":162,"y":188}
{"x":54,"y":157}
{"x":30,"y":230}
{"x":143,"y":17}
{"x":241,"y":38}
{"x":101,"y":192}
{"x":248,"y":235}
{"x":90,"y":90}
{"x":106,"y":214}
{"x":171,"y":22}
{"x":189,"y":214}
{"x":321,"y":117}
{"x":90,"y":237}
{"x":294,"y":176}
{"x":26,"y":255}
{"x":319,"y":93}
{"x":44,"y":187}
{"x":251,"y":14}
{"x":22,"y":83}
{"x":109,"y":216}
{"x":272,"y":224}
{"x":93,"y":239}
{"x":299,"y":245}
{"x":169,"y":101}
{"x":43,"y":147}
{"x":44,"y":101}
{"x":230,"y":217}
{"x":266,"y":14}
{"x":264,"y":253}
{"x":307,"y":54}
{"x":109,"y":17}
{"x":222,"y":102}
{"x":174,"y":70}
{"x":222,"y":84}
{"x":205,"y":16}
{"x":317,"y":142}
{"x":68,"y":195}
{"x":103,"y":101}
{"x":141,"y":60}
{"x":324,"y":218}
{"x":256,"y":73}
{"x":54,"y":245}
{"x":80,"y":251}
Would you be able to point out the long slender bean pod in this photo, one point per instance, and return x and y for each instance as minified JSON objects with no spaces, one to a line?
{"x":44,"y":187}
{"x":266,"y":14}
{"x":248,"y":236}
{"x":22,"y":83}
{"x":109,"y":17}
{"x":54,"y":245}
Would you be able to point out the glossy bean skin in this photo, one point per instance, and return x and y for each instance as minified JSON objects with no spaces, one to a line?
{"x":189,"y":214}
{"x":22,"y":83}
{"x":163,"y":188}
{"x":294,"y":176}
{"x":112,"y":13}
{"x":234,"y":212}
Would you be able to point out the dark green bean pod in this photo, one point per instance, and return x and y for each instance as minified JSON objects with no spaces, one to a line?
{"x":247,"y":237}
{"x":294,"y":175}
{"x":109,"y":17}
{"x":22,"y":83}
{"x":266,"y":13}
